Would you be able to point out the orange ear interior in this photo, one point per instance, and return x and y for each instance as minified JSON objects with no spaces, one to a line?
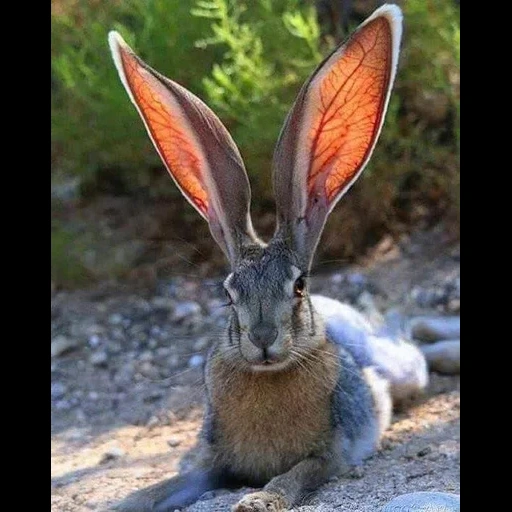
{"x":346,"y":107}
{"x":170,"y":131}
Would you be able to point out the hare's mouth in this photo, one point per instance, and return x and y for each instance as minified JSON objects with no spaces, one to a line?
{"x":266,"y":362}
{"x":269,"y":366}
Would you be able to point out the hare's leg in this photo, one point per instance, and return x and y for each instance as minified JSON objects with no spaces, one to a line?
{"x":172,"y":494}
{"x":285,"y":490}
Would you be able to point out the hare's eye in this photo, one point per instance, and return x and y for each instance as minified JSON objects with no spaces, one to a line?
{"x":298,"y":287}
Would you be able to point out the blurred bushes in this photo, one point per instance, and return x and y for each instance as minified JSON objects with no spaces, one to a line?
{"x":247,"y":59}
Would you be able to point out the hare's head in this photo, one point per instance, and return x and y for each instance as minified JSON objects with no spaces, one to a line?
{"x":326,"y":142}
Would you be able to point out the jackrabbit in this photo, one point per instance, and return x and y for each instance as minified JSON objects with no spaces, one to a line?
{"x":299,"y":388}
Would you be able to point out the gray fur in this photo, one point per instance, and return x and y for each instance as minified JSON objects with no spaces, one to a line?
{"x":285,"y":413}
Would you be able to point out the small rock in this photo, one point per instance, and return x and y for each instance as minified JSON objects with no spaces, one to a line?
{"x":93,"y":395}
{"x":115,"y":319}
{"x":111,"y":454}
{"x":58,"y":390}
{"x":63,"y":405}
{"x":424,"y":502}
{"x":153,"y":422}
{"x":99,"y":358}
{"x":162,"y":303}
{"x":201,"y":344}
{"x":114,"y":347}
{"x":337,"y":278}
{"x":148,"y":371}
{"x":435,"y":328}
{"x":147,"y":355}
{"x":162,"y":352}
{"x":443,"y":356}
{"x":196,"y":361}
{"x":155,"y":330}
{"x":454,"y":306}
{"x":173,"y":361}
{"x":424,"y":451}
{"x":94,"y":341}
{"x":356,"y":279}
{"x":62,"y":344}
{"x":185,"y":310}
{"x":173,"y":442}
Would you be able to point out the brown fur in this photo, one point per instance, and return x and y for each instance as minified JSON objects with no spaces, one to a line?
{"x":266,"y":422}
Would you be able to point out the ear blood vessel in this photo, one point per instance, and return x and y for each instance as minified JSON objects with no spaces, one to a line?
{"x":301,"y":388}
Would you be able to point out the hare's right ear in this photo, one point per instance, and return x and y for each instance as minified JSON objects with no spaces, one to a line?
{"x":331,"y":131}
{"x":194,"y":145}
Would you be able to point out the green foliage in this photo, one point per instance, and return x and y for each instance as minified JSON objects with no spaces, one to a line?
{"x":420,"y":140}
{"x":269,"y":49}
{"x":247,"y":59}
{"x":66,"y":267}
{"x":94,"y":125}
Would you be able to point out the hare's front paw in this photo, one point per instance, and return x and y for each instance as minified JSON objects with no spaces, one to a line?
{"x":261,"y":502}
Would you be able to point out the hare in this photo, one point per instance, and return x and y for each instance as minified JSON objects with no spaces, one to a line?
{"x":299,"y":388}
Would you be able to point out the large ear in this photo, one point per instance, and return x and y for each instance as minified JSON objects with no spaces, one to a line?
{"x":330,"y":132}
{"x":194,"y":145}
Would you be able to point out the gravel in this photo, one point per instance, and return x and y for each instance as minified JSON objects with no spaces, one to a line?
{"x":424,"y":502}
{"x":436,"y":328}
{"x":62,"y":345}
{"x":443,"y":356}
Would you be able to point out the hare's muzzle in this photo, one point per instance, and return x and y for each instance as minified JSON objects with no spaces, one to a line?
{"x":263,"y":335}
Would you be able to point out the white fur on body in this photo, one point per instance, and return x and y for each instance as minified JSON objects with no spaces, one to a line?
{"x":398,"y":361}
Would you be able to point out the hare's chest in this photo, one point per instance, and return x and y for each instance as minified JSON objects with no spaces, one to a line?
{"x":264,"y":425}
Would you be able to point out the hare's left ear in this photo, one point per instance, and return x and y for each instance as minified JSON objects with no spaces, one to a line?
{"x":332,"y":129}
{"x":194,"y":145}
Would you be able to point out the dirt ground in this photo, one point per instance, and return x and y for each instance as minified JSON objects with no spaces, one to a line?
{"x":126,"y":392}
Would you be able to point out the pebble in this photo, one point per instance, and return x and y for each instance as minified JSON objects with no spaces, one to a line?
{"x":148,"y":371}
{"x":173,"y":361}
{"x":58,"y":390}
{"x":435,"y":328}
{"x":162,"y":302}
{"x":115,"y":319}
{"x":63,"y":405}
{"x":173,"y":442}
{"x":99,"y":358}
{"x":62,"y":344}
{"x":111,"y":454}
{"x":443,"y":356}
{"x":337,"y":278}
{"x":185,"y":310}
{"x":94,"y":341}
{"x":152,"y":422}
{"x":424,"y":502}
{"x":201,"y":343}
{"x":114,"y":347}
{"x":454,"y":306}
{"x":163,"y":352}
{"x":196,"y":361}
{"x":147,"y":355}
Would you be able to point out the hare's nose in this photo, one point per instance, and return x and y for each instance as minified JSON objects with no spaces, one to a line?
{"x":263,"y":335}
